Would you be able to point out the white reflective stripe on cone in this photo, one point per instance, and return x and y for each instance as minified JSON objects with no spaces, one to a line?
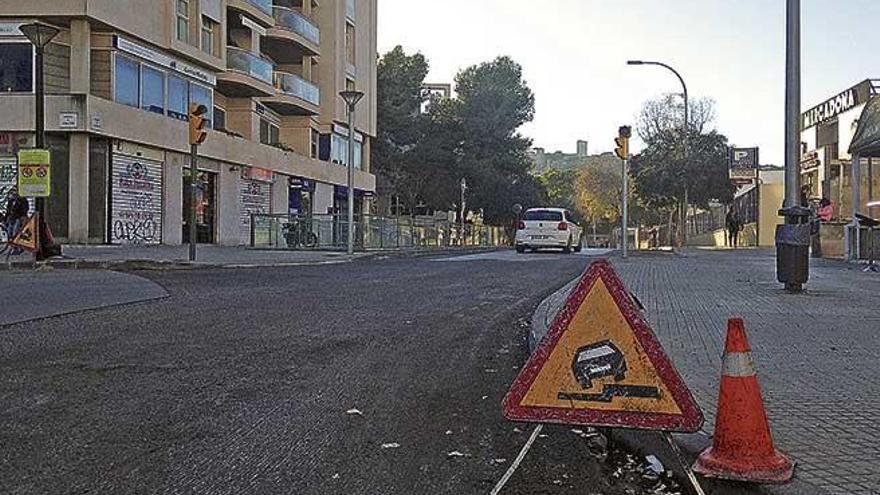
{"x":738,"y":364}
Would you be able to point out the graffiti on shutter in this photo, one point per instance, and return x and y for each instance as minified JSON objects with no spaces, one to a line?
{"x":136,"y":211}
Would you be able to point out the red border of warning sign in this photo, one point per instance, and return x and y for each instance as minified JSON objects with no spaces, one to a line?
{"x":689,"y":421}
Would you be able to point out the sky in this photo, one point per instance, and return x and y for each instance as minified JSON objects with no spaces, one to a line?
{"x":574,"y":54}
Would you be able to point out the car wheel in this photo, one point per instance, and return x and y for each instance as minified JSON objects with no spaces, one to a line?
{"x":567,"y":248}
{"x":520,"y":249}
{"x":580,"y":246}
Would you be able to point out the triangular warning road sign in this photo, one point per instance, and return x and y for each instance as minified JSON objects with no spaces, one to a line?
{"x":600,"y":364}
{"x":28,"y":236}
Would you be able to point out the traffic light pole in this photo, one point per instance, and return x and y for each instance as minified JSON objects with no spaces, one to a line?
{"x":625,"y":209}
{"x":193,"y":170}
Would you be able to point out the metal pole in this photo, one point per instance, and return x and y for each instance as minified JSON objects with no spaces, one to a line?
{"x":625,"y":210}
{"x":792,"y":103}
{"x":193,"y":197}
{"x":686,"y":154}
{"x":350,"y":179}
{"x":40,"y":139}
{"x":461,"y":219}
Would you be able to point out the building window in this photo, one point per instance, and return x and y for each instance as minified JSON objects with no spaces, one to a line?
{"x":178,"y":98}
{"x":128,"y":77}
{"x":16,"y":67}
{"x":153,"y":99}
{"x":269,"y":132}
{"x":315,"y":140}
{"x":208,"y":35}
{"x":183,"y":20}
{"x":219,"y":119}
{"x":200,"y":95}
{"x":349,"y":43}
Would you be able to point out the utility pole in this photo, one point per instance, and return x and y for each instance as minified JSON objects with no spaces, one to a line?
{"x":622,"y":152}
{"x":197,"y":136}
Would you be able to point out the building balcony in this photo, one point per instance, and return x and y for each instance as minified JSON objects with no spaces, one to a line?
{"x":247,"y":75}
{"x":259,"y":10}
{"x":294,"y":95}
{"x":293,"y":36}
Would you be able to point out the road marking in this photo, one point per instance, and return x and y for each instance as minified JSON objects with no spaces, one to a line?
{"x":519,"y":458}
{"x":513,"y":256}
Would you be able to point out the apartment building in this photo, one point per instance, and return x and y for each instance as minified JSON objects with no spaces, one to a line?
{"x":120,"y":77}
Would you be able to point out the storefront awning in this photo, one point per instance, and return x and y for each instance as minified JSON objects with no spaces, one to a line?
{"x":866,"y":142}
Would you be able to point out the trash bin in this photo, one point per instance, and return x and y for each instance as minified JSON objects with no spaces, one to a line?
{"x":793,"y":248}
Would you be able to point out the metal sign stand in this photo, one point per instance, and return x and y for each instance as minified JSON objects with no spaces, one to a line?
{"x":687,"y":468}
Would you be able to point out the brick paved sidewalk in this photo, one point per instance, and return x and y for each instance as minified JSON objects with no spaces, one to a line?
{"x":817,"y":353}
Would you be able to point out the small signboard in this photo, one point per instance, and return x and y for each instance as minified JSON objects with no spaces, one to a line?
{"x":34,"y":173}
{"x":601,"y":365}
{"x":28,"y":237}
{"x":743,"y":164}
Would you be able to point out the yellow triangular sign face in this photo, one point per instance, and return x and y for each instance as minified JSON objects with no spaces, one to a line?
{"x":600,"y":364}
{"x":27,"y":237}
{"x":599,"y":329}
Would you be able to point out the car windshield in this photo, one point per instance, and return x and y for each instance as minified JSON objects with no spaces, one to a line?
{"x":543,"y":216}
{"x":595,"y":353}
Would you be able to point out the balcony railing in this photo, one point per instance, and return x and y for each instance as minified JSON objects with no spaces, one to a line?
{"x":243,"y":61}
{"x":293,"y":85}
{"x":292,"y":20}
{"x":264,"y":5}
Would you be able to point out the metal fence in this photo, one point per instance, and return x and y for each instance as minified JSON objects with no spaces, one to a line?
{"x":330,"y":232}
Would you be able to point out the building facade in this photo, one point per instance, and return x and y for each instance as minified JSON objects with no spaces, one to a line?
{"x":120,"y":77}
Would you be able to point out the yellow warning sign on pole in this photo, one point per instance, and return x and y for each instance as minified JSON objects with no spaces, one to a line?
{"x":34,"y":173}
{"x":601,"y":365}
{"x":28,"y":237}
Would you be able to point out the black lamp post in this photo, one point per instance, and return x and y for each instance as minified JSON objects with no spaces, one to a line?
{"x":351,"y":99}
{"x":40,"y":35}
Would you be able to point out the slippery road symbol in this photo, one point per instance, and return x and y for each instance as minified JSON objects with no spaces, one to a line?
{"x":599,"y":361}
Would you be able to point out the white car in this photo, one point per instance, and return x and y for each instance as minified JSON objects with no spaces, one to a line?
{"x":548,"y":228}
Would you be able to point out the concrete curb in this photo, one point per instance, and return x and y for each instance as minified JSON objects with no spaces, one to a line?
{"x":645,"y":443}
{"x":180,"y":265}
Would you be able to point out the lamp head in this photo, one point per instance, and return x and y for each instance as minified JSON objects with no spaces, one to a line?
{"x":635,"y":62}
{"x":39,"y":34}
{"x":351,"y":97}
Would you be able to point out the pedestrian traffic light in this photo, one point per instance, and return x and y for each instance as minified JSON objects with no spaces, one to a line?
{"x":622,"y":141}
{"x":197,"y":123}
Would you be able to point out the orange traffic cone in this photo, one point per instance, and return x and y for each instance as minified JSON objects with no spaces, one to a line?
{"x":742,"y":448}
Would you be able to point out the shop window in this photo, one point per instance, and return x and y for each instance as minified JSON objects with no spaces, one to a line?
{"x":16,"y":67}
{"x":200,"y":95}
{"x":219,"y":119}
{"x":153,"y":99}
{"x":127,"y":88}
{"x":183,"y":20}
{"x":178,"y":98}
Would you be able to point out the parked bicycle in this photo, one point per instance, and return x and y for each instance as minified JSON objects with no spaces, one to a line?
{"x":298,"y":234}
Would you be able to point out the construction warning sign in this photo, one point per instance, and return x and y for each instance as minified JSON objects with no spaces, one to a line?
{"x":28,"y":236}
{"x":601,"y":365}
{"x":34,"y":173}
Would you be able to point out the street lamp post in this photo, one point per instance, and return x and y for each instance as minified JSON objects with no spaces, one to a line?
{"x":351,"y":100}
{"x":40,"y":35}
{"x":464,"y":187}
{"x":686,"y":131}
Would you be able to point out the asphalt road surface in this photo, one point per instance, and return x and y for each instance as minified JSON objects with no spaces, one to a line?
{"x":380,"y":377}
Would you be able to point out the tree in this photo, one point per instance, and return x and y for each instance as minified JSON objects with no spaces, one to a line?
{"x":493,"y":103}
{"x":598,"y":191}
{"x":663,"y":178}
{"x":395,"y":155}
{"x":560,"y":187}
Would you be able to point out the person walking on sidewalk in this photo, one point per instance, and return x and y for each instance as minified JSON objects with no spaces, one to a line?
{"x":16,"y":215}
{"x":734,"y":226}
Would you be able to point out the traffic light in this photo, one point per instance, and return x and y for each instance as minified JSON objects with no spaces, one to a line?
{"x":197,"y":123}
{"x":622,"y":141}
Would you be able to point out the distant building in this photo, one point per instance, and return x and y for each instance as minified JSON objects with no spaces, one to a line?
{"x":433,"y":92}
{"x":566,"y":161}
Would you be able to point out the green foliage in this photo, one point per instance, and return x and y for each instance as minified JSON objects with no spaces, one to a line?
{"x":561,"y":189}
{"x":474,"y":136}
{"x":598,"y":191}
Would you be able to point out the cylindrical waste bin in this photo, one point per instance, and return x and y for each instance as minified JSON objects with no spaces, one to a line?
{"x":793,"y":248}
